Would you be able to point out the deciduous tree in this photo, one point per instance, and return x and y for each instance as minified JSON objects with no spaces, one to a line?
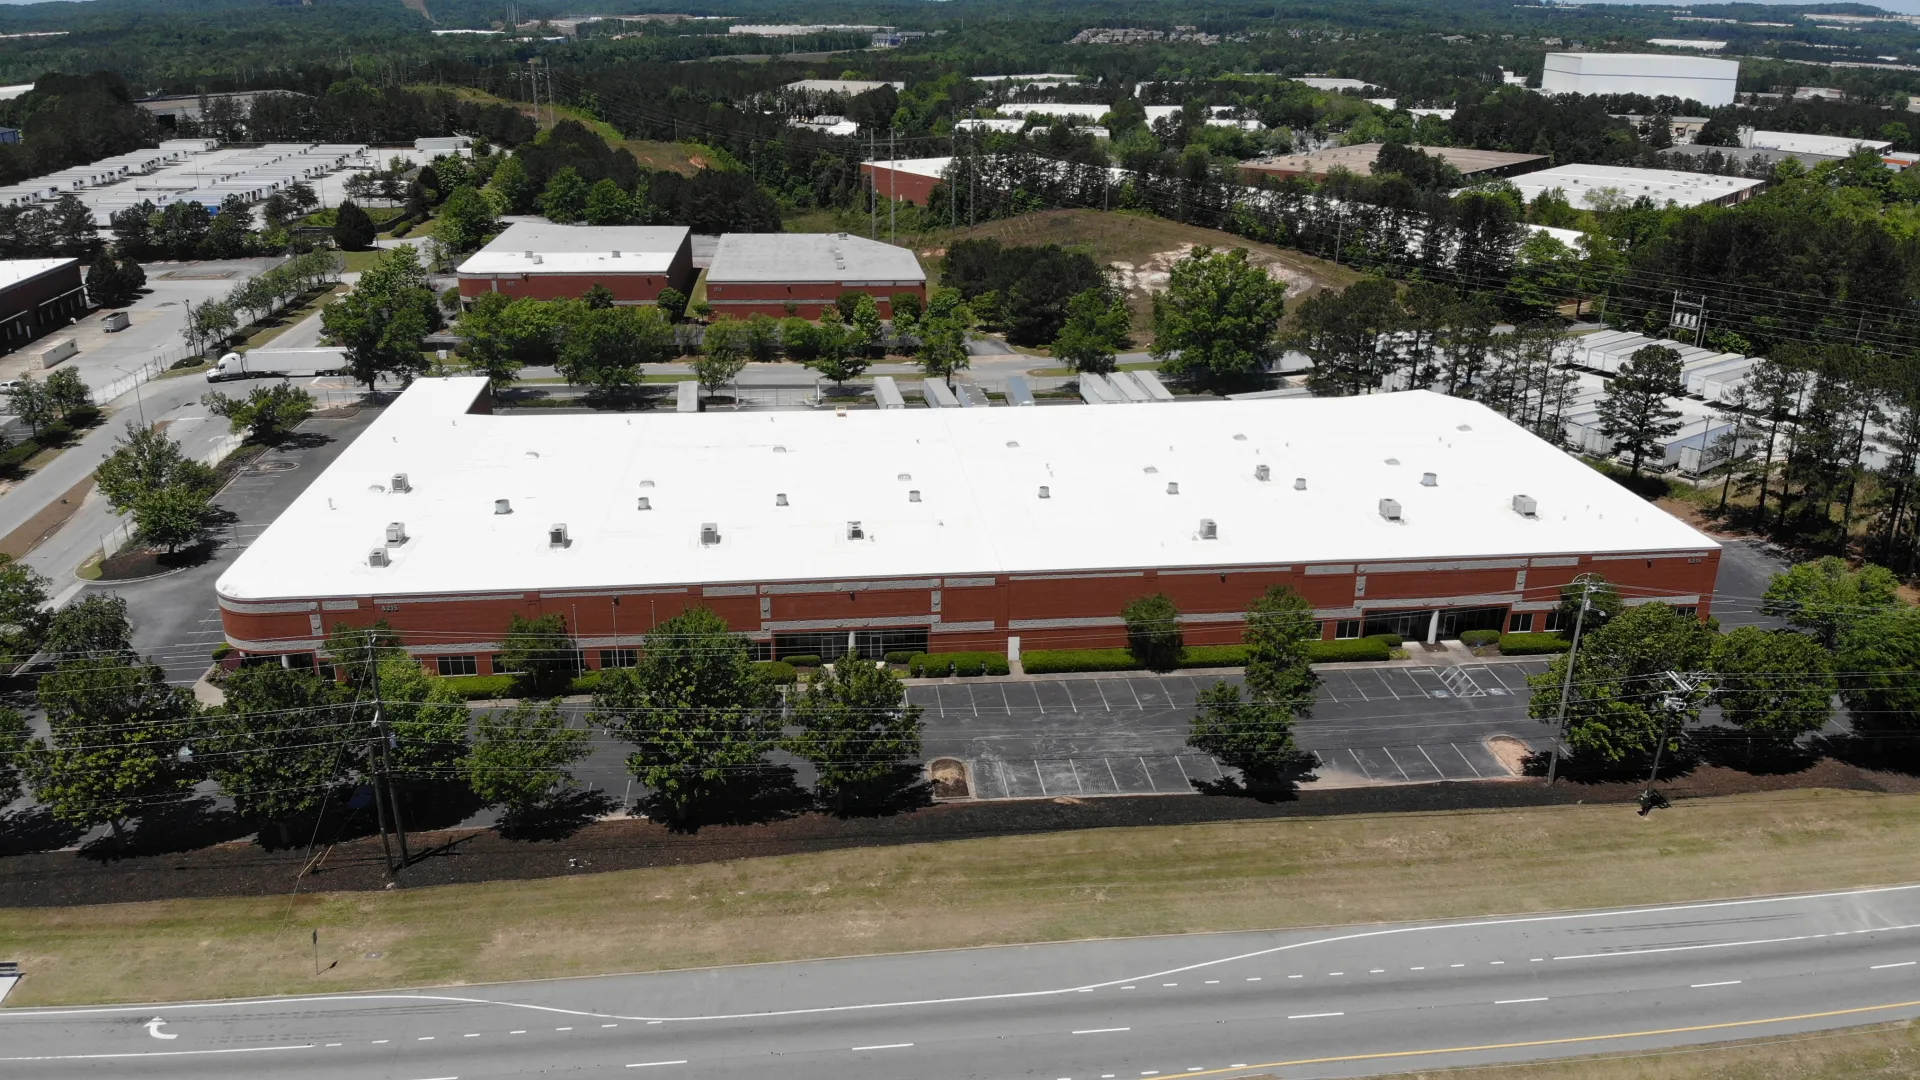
{"x":857,"y":730}
{"x":268,"y":414}
{"x":1153,"y":631}
{"x":1825,"y":596}
{"x":115,"y":735}
{"x":1217,"y":316}
{"x":523,"y":756}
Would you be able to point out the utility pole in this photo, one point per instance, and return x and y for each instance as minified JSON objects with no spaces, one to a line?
{"x":1566,"y":685}
{"x":377,"y":761}
{"x":1675,"y":702}
{"x":893,"y":189}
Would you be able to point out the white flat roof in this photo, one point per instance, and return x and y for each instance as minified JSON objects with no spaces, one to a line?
{"x":978,"y":471}
{"x":781,"y":257}
{"x":935,"y":167}
{"x":1581,"y":182}
{"x":15,"y":271}
{"x":1793,"y":142}
{"x":579,"y":249}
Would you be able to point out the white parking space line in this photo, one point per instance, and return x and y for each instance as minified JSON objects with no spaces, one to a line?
{"x":1314,"y":1016}
{"x":651,"y":1064}
{"x":1362,"y":764}
{"x":885,"y":1046}
{"x":1381,"y":675}
{"x":1882,"y":967}
{"x":1469,"y":761}
{"x":1429,"y":757}
{"x":1519,"y":1001}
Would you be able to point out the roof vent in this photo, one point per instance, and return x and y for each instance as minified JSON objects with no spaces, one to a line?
{"x":645,"y":503}
{"x":396,"y":532}
{"x":779,"y":449}
{"x":904,"y":476}
{"x":529,"y":254}
{"x":557,"y":536}
{"x":400,"y":485}
{"x":1464,"y":427}
{"x":1208,"y":530}
{"x":1150,"y":469}
{"x":1428,"y":479}
{"x":1299,"y":483}
{"x":537,"y":260}
{"x":914,"y":495}
{"x":780,"y":498}
{"x":840,"y":411}
{"x":646,"y":483}
{"x":502,"y":506}
{"x":1262,"y":473}
{"x":1390,"y":509}
{"x":855,"y":532}
{"x":616,"y":253}
{"x":1237,"y":437}
{"x":1013,"y":445}
{"x":709,"y":534}
{"x":378,"y":557}
{"x":1526,"y":506}
{"x":1173,"y":487}
{"x":1046,"y":492}
{"x":1393,"y":461}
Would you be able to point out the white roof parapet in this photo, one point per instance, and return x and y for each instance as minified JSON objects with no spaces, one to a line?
{"x":978,"y":471}
{"x":530,"y":247}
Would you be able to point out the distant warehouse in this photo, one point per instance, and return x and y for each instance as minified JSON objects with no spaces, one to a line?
{"x":1597,"y":186}
{"x":561,"y":262}
{"x":1359,"y":160}
{"x":950,"y":529}
{"x":802,"y":273}
{"x":1689,"y":78}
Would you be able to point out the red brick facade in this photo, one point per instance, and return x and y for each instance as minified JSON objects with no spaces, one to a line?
{"x":807,"y":298}
{"x":981,"y":612}
{"x":626,"y":288}
{"x":915,"y":188}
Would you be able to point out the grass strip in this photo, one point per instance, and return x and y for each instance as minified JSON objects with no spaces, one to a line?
{"x":1047,"y":887}
{"x":1876,"y":1052}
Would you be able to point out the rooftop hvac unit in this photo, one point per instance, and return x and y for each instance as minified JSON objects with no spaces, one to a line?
{"x":855,"y":532}
{"x":502,"y":506}
{"x":1046,"y":492}
{"x":400,"y":486}
{"x":914,"y":495}
{"x":378,"y":557}
{"x":1262,"y":473}
{"x":1526,"y":506}
{"x":1429,"y":480}
{"x":780,"y":498}
{"x":1299,"y":483}
{"x":616,"y":254}
{"x":396,"y":532}
{"x":557,"y":535}
{"x":1173,"y":487}
{"x":645,"y":503}
{"x":709,"y":534}
{"x":1390,"y":509}
{"x":1208,"y":530}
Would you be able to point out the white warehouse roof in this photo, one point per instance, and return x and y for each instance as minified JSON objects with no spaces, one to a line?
{"x":1696,"y":78}
{"x":538,"y":247}
{"x":978,"y":471}
{"x":1581,"y":183}
{"x":1793,"y":142}
{"x":829,"y":257}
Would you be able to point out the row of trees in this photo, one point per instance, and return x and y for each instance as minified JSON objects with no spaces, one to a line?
{"x":1851,"y":638}
{"x":290,"y":742}
{"x":211,"y":322}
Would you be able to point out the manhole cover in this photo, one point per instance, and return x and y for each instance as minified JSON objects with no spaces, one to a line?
{"x":274,"y":466}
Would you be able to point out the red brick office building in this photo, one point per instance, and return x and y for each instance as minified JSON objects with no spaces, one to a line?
{"x":803,"y":273}
{"x":946,"y":529}
{"x":543,"y":261}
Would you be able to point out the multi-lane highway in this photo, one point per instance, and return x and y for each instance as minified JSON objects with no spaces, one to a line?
{"x":1327,"y":1002}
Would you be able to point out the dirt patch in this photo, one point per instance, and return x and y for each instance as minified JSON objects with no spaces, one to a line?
{"x":1152,"y":273}
{"x":1512,"y":752}
{"x":949,"y":778}
{"x":47,"y":522}
{"x":134,"y":563}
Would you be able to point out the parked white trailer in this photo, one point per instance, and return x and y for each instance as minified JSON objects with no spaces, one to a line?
{"x":686,"y":395}
{"x":887,"y":393}
{"x":1096,"y":390}
{"x":1156,"y":389}
{"x":277,"y":363}
{"x":938,"y":395}
{"x":1019,"y":391}
{"x":58,"y":351}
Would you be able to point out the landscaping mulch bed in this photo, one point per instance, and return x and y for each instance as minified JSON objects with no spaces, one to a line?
{"x":245,"y":868}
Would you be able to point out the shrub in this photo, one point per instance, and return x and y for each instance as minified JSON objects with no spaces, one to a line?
{"x":476,"y":687}
{"x":1153,"y":631}
{"x":1213,"y":656}
{"x":923,"y":666}
{"x":1533,"y":644}
{"x":777,"y":671}
{"x":1349,"y":651}
{"x":1052,"y":661}
{"x":940,"y":665}
{"x":584,"y":683}
{"x":802,"y":661}
{"x":1479,"y":638}
{"x":1393,"y":641}
{"x":996,"y":663}
{"x":222,"y":651}
{"x":899,"y":657}
{"x":967,"y":665}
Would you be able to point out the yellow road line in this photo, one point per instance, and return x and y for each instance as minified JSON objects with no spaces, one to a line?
{"x":1570,"y":1040}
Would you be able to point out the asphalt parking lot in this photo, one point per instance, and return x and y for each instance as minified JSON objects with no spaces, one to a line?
{"x":1127,"y":735}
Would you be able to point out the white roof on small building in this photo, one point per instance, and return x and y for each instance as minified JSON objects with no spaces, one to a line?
{"x":1793,"y":142}
{"x":979,"y":471}
{"x":539,"y":247}
{"x":849,"y":87}
{"x":1582,"y":182}
{"x":787,"y":257}
{"x":15,"y":271}
{"x":935,"y":167}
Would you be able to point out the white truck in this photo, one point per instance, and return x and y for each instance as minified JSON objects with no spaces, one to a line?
{"x":277,"y":363}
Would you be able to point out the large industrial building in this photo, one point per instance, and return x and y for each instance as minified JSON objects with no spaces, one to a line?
{"x":38,"y":295}
{"x":543,"y":261}
{"x":804,"y":273}
{"x":1689,"y":78}
{"x":1359,"y":159}
{"x":1593,"y":186}
{"x":812,"y":532}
